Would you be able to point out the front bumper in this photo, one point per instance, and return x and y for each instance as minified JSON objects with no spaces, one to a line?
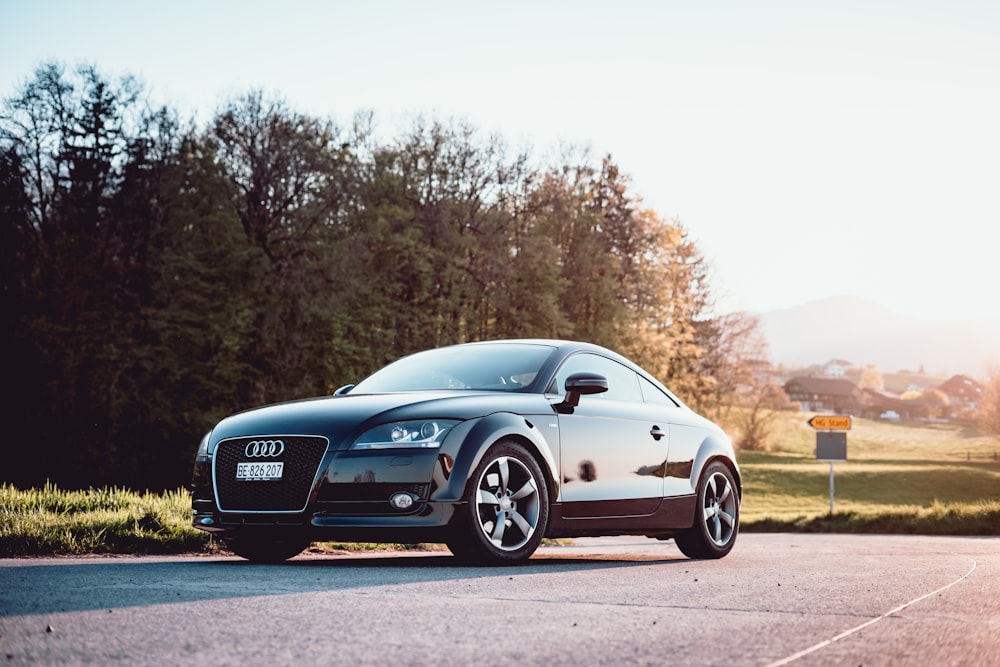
{"x":348,"y":499}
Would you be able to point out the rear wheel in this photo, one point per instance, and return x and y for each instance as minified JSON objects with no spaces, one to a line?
{"x":717,"y":515}
{"x":507,"y":508}
{"x":260,"y":549}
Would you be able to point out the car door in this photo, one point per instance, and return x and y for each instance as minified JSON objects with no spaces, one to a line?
{"x":613,"y":446}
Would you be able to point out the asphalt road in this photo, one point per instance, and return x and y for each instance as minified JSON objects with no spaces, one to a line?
{"x":777,"y":599}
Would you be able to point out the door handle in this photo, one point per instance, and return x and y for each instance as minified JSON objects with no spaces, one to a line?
{"x":656,"y":433}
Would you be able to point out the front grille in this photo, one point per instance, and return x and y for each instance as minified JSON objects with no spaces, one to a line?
{"x":301,"y":459}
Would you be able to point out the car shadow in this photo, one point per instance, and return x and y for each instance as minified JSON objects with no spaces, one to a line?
{"x":112,"y":584}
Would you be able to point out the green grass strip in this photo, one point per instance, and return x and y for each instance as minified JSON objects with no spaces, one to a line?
{"x":50,"y":521}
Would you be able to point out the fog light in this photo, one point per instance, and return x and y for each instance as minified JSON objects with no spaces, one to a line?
{"x":206,"y":521}
{"x":402,"y":501}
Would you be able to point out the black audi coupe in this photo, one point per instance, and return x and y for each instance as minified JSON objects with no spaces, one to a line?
{"x":487,"y":447}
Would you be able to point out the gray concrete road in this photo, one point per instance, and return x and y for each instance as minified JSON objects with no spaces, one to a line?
{"x":777,"y":599}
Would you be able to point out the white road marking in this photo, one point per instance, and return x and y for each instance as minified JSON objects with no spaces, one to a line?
{"x":847,"y":633}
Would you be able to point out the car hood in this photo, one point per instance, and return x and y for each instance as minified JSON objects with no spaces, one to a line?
{"x":341,"y":419}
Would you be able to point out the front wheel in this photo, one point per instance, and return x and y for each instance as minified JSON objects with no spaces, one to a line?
{"x":507,"y":508}
{"x":717,"y":515}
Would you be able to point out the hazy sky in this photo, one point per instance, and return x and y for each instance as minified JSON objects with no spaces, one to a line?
{"x":811,"y":149}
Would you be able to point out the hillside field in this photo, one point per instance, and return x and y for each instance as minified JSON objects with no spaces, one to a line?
{"x":931,"y":473}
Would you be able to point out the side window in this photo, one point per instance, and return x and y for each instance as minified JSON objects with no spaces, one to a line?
{"x":653,"y":394}
{"x":623,"y":383}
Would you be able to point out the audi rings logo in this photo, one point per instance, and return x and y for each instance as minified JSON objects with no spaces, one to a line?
{"x":264,"y":448}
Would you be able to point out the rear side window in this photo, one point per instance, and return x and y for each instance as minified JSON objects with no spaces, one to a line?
{"x":653,"y":394}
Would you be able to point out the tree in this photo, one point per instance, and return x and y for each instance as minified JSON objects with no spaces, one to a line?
{"x":68,"y":138}
{"x":739,"y":389}
{"x":935,"y":402}
{"x":871,"y":378}
{"x":530,"y":291}
{"x":562,"y":213}
{"x":284,"y":168}
{"x":733,"y":368}
{"x":989,"y":409}
{"x":289,"y":178}
{"x":679,"y":305}
{"x":755,"y":423}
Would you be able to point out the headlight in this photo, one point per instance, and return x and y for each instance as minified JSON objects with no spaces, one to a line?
{"x":203,"y":447}
{"x":421,"y":434}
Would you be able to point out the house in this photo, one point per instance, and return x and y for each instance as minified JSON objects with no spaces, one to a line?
{"x":884,"y":405}
{"x":836,"y":368}
{"x":964,"y":393}
{"x":903,"y":382}
{"x":821,"y":394}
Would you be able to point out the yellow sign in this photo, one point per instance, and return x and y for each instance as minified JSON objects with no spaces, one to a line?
{"x":831,"y":422}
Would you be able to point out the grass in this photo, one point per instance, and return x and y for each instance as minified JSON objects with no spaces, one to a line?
{"x":111,"y":520}
{"x":899,"y":478}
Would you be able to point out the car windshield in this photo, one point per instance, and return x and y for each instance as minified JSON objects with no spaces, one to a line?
{"x":482,"y":367}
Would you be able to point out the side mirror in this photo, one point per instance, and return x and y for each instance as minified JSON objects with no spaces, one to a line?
{"x":343,"y":390}
{"x":582,"y":384}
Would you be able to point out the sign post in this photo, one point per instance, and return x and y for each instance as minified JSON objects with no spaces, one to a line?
{"x":831,"y":441}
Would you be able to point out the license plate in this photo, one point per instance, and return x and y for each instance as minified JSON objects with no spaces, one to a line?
{"x":259,"y":472}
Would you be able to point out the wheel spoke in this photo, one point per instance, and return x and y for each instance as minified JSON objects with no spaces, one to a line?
{"x":488,"y":498}
{"x":728,"y":518}
{"x":716,"y":527}
{"x":528,"y":489}
{"x":522,"y":523}
{"x":711,"y":486}
{"x":504,"y":466}
{"x":499,"y":529}
{"x":726,"y":492}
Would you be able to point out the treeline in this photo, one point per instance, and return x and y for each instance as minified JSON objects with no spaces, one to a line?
{"x":158,"y":274}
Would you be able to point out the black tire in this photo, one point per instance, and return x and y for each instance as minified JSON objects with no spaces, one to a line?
{"x":717,"y":515}
{"x":507,"y":509}
{"x":261,"y":549}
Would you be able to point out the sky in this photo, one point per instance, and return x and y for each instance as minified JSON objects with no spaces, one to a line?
{"x":810,"y":148}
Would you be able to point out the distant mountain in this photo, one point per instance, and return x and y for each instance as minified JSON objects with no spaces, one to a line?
{"x":863,"y":332}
